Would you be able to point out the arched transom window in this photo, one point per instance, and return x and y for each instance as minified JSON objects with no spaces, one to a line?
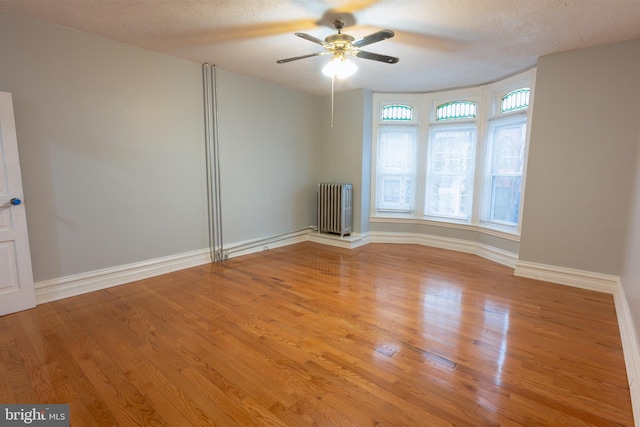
{"x":515,"y":100}
{"x":456,"y":110}
{"x":397,"y":113}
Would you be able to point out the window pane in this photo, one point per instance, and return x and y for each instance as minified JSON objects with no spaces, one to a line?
{"x":505,"y":198}
{"x":508,"y":148}
{"x":395,"y":192}
{"x":450,"y":177}
{"x":396,"y":152}
{"x":396,"y":169}
{"x":391,"y":190}
{"x":449,"y":196}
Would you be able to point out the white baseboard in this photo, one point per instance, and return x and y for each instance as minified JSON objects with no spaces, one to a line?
{"x":247,"y":247}
{"x":630,"y":348}
{"x":54,"y":289}
{"x":494,"y":254}
{"x":69,"y":286}
{"x":567,"y":276}
{"x":78,"y":284}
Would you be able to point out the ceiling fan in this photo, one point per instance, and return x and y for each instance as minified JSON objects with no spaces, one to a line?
{"x":339,"y":45}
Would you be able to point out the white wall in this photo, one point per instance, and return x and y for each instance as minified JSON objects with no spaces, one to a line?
{"x":268,"y":137}
{"x":582,"y":158}
{"x":111,"y":140}
{"x":111,"y":148}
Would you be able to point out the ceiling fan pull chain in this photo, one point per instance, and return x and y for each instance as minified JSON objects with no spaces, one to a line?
{"x":333,"y":79}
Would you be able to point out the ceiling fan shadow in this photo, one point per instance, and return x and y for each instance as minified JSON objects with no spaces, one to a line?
{"x":351,"y":7}
{"x":428,"y":41}
{"x":344,"y":13}
{"x":245,"y":32}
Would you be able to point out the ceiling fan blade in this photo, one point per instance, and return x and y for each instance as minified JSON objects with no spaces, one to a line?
{"x":310,"y":38}
{"x":372,"y":38}
{"x":376,"y":57}
{"x":295,"y":58}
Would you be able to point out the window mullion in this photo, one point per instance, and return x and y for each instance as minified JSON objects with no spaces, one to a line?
{"x":480,"y":156}
{"x":421,"y":173}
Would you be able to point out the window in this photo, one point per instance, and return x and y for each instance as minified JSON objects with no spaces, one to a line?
{"x":396,"y":168}
{"x":506,"y":144}
{"x":460,"y":161}
{"x":450,"y":148}
{"x":449,"y":180}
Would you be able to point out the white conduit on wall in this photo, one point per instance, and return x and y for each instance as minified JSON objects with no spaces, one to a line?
{"x":213,"y":163}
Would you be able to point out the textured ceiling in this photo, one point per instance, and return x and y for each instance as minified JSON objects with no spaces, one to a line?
{"x":441,"y":43}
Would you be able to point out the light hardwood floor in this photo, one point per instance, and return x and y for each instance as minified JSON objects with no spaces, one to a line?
{"x":394,"y":335}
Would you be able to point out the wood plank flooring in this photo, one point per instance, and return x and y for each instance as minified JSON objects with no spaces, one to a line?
{"x":393,"y":335}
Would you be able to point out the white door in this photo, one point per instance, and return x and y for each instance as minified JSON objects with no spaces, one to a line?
{"x":16,"y":278}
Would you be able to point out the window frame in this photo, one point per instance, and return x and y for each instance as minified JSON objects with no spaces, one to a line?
{"x":487,"y":193}
{"x":495,"y":93}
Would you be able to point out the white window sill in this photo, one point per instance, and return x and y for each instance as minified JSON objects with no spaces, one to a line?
{"x":506,"y":233}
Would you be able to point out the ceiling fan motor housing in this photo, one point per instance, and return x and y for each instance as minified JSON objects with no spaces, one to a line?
{"x":338,"y":42}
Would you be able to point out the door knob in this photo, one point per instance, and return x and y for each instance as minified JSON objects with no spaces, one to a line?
{"x":15,"y":201}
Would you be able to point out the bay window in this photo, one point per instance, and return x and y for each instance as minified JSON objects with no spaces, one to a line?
{"x":455,"y":156}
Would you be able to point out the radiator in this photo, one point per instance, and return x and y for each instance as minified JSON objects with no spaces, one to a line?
{"x":335,"y":203}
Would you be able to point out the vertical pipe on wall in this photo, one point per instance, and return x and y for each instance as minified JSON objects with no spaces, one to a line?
{"x":206,"y":86}
{"x":217,"y":165}
{"x":212,"y":163}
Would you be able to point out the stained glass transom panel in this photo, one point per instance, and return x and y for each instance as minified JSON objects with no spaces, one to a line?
{"x":397,"y":113}
{"x":515,"y":100}
{"x":456,"y":110}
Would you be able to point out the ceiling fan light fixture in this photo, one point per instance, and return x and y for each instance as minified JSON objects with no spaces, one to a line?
{"x":339,"y":67}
